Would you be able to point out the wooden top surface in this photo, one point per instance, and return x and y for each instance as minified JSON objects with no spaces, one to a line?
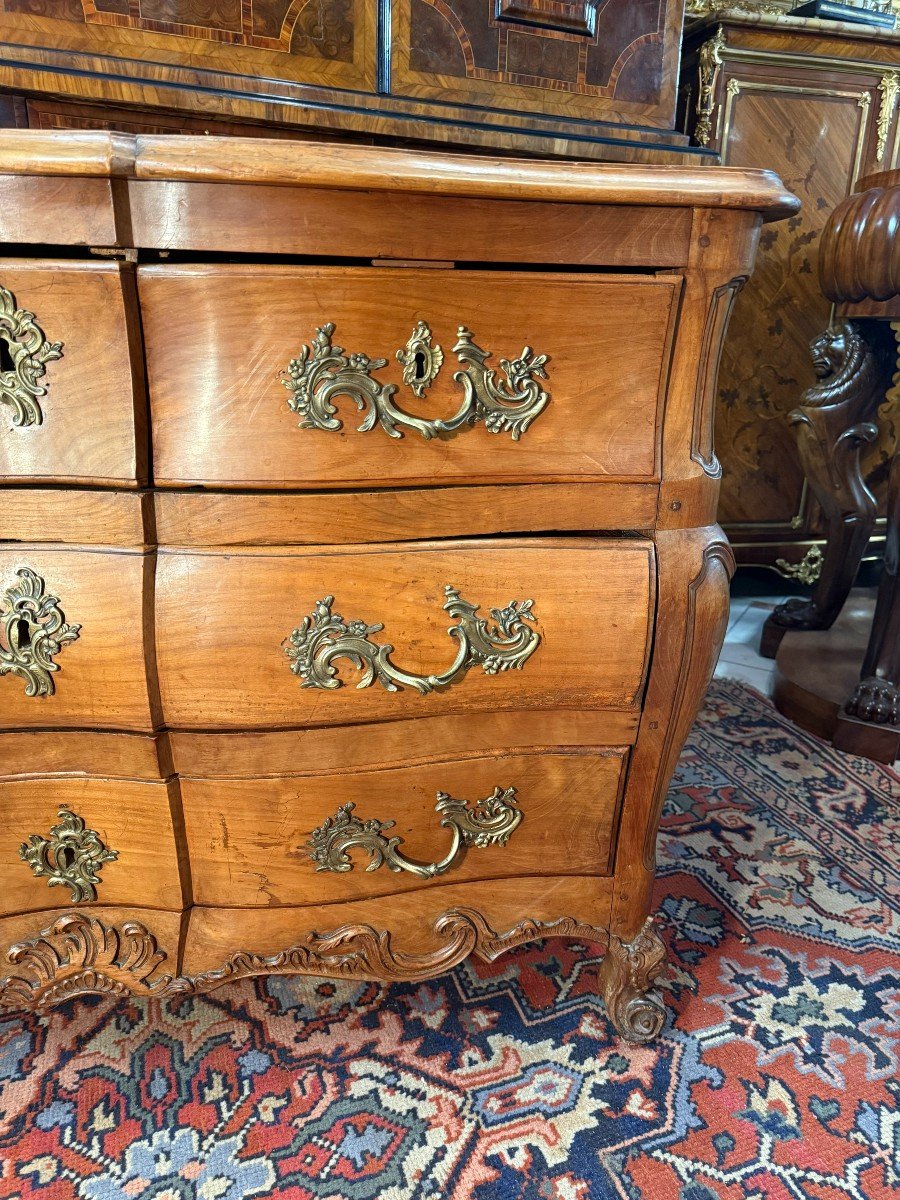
{"x":377,"y":168}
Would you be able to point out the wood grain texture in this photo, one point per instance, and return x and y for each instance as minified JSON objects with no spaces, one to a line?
{"x":133,"y":819}
{"x":415,"y":947}
{"x":102,"y":681}
{"x":56,"y":210}
{"x":695,"y":568}
{"x":247,"y":837}
{"x":200,"y":216}
{"x":386,"y":169}
{"x":94,"y":422}
{"x":222,"y":662}
{"x":302,"y":519}
{"x":74,"y":515}
{"x":803,"y":99}
{"x":222,"y":417}
{"x":421,"y":739}
{"x":81,"y":752}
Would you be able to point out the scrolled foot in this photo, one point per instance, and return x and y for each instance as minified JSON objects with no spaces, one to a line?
{"x":626,"y":977}
{"x":875,"y":700}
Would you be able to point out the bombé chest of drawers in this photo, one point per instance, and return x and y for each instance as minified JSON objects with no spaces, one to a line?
{"x":359,"y":578}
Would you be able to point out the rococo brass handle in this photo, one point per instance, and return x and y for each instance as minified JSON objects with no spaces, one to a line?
{"x":72,"y":856}
{"x":325,"y":636}
{"x":323,"y":372}
{"x":34,"y":629}
{"x":24,"y":351}
{"x":490,"y":822}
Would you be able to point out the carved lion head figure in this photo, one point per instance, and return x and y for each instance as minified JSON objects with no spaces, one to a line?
{"x":831,"y":349}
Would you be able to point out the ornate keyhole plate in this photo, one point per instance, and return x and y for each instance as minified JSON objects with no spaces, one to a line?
{"x":505,"y":403}
{"x":72,"y":856}
{"x":25,"y":353}
{"x":34,"y":629}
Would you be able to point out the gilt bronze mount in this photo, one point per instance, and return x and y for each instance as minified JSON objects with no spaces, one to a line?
{"x":324,"y":636}
{"x":24,"y":353}
{"x":322,"y":372}
{"x":34,"y":630}
{"x":72,"y":856}
{"x":490,"y":822}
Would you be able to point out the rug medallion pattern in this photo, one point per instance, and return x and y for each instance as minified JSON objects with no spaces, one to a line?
{"x":777,"y":1076}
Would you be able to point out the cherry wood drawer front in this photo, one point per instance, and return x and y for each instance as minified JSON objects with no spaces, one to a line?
{"x":94,"y":605}
{"x":71,"y":827}
{"x":75,"y":368}
{"x":249,"y":838}
{"x":229,"y":657}
{"x":220,"y":340}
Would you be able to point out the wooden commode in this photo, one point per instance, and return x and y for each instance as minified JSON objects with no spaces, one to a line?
{"x":359,"y":574}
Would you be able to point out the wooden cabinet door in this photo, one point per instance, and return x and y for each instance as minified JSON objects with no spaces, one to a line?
{"x":607,"y":61}
{"x":327,"y":43}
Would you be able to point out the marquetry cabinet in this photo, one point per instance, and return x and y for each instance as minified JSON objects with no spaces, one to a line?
{"x":583,"y":78}
{"x":355,"y":601}
{"x":816,"y":101}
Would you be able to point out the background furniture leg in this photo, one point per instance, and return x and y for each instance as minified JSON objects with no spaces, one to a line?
{"x":855,"y":361}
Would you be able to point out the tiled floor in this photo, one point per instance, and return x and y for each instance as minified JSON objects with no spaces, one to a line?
{"x":740,"y":657}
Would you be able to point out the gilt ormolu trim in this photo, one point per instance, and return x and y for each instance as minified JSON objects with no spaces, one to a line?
{"x":324,"y":636}
{"x":34,"y":629}
{"x":72,"y":856}
{"x":889,"y":89}
{"x":709,"y":61}
{"x":322,"y":372}
{"x":30,"y":351}
{"x":489,"y":822}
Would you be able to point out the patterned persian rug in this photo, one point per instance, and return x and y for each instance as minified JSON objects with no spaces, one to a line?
{"x":779,"y":895}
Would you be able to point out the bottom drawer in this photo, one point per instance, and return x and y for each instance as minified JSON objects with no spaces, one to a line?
{"x":296,"y":840}
{"x":413,"y":936}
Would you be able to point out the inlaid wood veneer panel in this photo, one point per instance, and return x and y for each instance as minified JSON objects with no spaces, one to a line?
{"x":223,"y":621}
{"x":221,"y":414}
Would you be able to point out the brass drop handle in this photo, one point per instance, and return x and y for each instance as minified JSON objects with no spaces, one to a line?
{"x":24,"y":353}
{"x":489,"y":822}
{"x":322,"y":372}
{"x":324,"y":636}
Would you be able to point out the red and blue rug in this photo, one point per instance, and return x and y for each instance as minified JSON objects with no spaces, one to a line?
{"x":777,"y":1079}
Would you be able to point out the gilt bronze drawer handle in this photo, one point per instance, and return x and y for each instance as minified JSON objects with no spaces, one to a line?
{"x":325,"y":636}
{"x":72,"y":856}
{"x":323,"y":372}
{"x":490,"y":822}
{"x":24,"y":351}
{"x":34,"y":629}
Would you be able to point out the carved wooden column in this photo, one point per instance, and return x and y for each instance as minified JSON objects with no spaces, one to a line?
{"x":859,"y":270}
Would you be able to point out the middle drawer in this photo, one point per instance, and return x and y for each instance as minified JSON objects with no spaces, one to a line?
{"x":288,"y":637}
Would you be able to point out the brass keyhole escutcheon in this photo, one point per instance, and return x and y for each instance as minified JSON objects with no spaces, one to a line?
{"x":24,"y":353}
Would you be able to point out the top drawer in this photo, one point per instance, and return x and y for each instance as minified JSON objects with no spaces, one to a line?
{"x":72,"y":407}
{"x":232,"y":350}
